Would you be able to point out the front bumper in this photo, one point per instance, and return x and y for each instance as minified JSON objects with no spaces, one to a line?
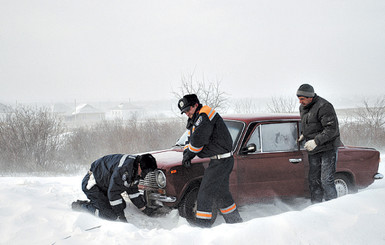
{"x":378,"y":176}
{"x":160,"y":197}
{"x":156,"y":200}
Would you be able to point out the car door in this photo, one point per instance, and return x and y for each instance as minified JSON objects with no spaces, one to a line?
{"x":276,"y":167}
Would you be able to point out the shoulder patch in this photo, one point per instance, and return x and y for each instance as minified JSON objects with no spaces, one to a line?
{"x":198,"y":122}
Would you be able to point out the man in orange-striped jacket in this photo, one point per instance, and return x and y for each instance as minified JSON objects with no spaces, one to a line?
{"x":210,"y":137}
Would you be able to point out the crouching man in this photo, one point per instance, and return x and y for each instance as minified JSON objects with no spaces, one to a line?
{"x":108,"y":178}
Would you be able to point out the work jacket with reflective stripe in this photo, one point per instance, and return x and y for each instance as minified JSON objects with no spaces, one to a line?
{"x":108,"y":172}
{"x":208,"y":134}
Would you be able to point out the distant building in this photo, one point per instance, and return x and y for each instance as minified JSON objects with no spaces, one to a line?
{"x":86,"y":114}
{"x":125,"y":111}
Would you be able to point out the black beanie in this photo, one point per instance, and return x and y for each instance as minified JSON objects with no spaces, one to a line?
{"x":147,"y":161}
{"x":305,"y":90}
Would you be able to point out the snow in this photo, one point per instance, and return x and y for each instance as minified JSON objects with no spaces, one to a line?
{"x":37,"y":210}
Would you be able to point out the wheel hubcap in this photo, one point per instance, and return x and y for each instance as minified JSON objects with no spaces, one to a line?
{"x":341,"y":187}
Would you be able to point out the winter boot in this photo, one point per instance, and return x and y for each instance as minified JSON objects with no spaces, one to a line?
{"x":80,"y":205}
{"x":203,"y":223}
{"x":233,"y":217}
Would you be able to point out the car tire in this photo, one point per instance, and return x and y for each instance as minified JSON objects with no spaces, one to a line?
{"x":188,"y":207}
{"x":344,"y":185}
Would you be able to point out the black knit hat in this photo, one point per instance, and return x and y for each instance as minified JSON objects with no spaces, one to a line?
{"x":305,"y":90}
{"x":187,"y":101}
{"x":147,"y":161}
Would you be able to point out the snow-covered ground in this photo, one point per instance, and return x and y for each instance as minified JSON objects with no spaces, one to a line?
{"x":36,"y":210}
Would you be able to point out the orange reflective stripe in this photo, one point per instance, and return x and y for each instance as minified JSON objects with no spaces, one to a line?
{"x":229,"y":209}
{"x":208,"y":111}
{"x":185,"y":147}
{"x":205,"y":109}
{"x":204,"y":215}
{"x":194,"y":149}
{"x":212,"y":113}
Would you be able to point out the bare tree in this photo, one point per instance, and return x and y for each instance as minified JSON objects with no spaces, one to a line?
{"x":365,"y":125}
{"x":245,"y":105}
{"x":282,"y":105}
{"x":30,"y":136}
{"x":119,"y":136}
{"x":209,"y":93}
{"x":372,"y":115}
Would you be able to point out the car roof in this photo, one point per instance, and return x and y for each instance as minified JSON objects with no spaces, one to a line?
{"x":262,"y":117}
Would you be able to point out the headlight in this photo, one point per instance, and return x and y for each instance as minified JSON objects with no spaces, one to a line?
{"x":160,"y":178}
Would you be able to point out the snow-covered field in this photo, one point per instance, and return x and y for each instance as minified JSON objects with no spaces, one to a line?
{"x":37,"y":210}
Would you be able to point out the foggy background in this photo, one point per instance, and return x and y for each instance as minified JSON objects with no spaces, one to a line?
{"x":82,"y":79}
{"x":62,"y":51}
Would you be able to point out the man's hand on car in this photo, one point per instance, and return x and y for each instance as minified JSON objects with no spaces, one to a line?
{"x":187,"y":156}
{"x":186,"y":163}
{"x":301,"y":138}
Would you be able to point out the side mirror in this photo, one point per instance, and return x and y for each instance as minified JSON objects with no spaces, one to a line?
{"x":249,"y":149}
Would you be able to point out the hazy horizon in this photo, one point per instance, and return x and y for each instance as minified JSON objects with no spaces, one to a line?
{"x":130,"y":50}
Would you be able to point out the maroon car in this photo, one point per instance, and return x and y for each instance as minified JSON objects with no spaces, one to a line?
{"x":268,"y":162}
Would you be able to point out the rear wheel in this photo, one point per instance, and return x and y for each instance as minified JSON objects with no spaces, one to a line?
{"x":188,"y":207}
{"x":344,"y":185}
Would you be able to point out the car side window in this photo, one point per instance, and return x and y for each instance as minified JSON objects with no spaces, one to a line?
{"x":275,"y":137}
{"x":256,"y":139}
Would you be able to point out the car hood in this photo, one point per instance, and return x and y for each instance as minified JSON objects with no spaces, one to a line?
{"x":168,"y":158}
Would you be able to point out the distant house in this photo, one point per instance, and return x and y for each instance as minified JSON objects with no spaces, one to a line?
{"x":125,"y":111}
{"x":87,"y":114}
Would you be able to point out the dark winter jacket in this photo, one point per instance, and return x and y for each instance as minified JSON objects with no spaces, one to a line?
{"x":114,"y":174}
{"x":319,"y":122}
{"x":208,"y":134}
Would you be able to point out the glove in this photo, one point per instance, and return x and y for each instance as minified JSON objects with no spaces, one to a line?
{"x":148,"y":211}
{"x":310,"y":145}
{"x":186,"y":163}
{"x":122,"y":218}
{"x":301,"y":138}
{"x":187,"y":156}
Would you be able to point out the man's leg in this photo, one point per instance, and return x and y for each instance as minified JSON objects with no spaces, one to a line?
{"x":208,"y":191}
{"x":328,"y":170}
{"x":99,"y":204}
{"x":225,"y":199}
{"x":314,"y":177}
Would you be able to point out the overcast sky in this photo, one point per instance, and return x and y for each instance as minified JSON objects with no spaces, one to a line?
{"x":129,"y":50}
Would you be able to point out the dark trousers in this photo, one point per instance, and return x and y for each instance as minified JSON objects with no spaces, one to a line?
{"x":215,"y":188}
{"x":322,"y":167}
{"x":99,"y":202}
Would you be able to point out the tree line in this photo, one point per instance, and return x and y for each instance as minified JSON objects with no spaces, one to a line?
{"x":35,"y":140}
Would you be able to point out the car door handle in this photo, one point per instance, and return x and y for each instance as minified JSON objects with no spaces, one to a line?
{"x":295,"y":160}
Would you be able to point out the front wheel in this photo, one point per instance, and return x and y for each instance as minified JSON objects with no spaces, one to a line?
{"x":188,"y":207}
{"x":344,"y":185}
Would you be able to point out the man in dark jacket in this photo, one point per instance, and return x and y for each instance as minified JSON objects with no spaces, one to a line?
{"x":108,"y":178}
{"x":320,"y":131}
{"x":210,"y":137}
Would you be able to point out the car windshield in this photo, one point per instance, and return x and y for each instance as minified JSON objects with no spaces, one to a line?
{"x":235,"y":128}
